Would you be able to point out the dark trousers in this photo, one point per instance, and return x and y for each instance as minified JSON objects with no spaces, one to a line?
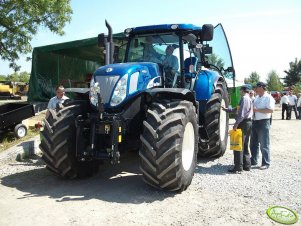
{"x":242,"y":158}
{"x":299,"y":111}
{"x":285,"y":109}
{"x":294,"y":108}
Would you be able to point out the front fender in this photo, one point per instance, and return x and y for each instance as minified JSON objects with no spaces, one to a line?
{"x":205,"y":84}
{"x":169,"y":93}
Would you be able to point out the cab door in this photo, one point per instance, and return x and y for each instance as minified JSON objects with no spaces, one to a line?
{"x":221,"y":55}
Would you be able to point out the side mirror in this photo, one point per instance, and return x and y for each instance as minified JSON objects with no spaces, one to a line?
{"x":229,"y":69}
{"x":101,"y":40}
{"x":207,"y":32}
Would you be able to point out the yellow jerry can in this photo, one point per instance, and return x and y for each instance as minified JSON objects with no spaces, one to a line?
{"x":235,"y":140}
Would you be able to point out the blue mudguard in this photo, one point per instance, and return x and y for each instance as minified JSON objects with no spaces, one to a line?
{"x":205,"y":84}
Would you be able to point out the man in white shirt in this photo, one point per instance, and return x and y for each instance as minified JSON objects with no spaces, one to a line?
{"x":58,"y":99}
{"x":292,"y":105}
{"x":263,"y":108}
{"x":284,"y":101}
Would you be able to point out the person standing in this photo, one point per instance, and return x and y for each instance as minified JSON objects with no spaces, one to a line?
{"x":263,"y":108}
{"x":243,"y":121}
{"x":58,"y":99}
{"x":292,"y":105}
{"x":252,"y":95}
{"x":299,"y":105}
{"x":284,"y":101}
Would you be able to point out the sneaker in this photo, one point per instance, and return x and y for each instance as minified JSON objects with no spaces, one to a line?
{"x":264,"y":167}
{"x":246,"y":168}
{"x":233,"y":170}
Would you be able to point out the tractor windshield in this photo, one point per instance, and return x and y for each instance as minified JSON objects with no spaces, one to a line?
{"x":153,"y":48}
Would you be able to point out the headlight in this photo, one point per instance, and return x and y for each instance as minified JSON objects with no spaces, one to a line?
{"x":119,"y":93}
{"x":154,"y":82}
{"x":94,"y":89}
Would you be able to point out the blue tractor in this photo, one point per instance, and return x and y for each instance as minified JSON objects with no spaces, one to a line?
{"x":170,"y":112}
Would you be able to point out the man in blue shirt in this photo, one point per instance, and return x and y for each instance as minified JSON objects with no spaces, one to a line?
{"x":170,"y":59}
{"x":149,"y":53}
{"x":243,"y":121}
{"x":171,"y":66}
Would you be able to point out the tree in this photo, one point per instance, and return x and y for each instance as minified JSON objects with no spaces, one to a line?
{"x":294,"y":73}
{"x":19,"y":77}
{"x":215,"y":60}
{"x":19,"y":22}
{"x":24,"y":76}
{"x":2,"y":78}
{"x":273,"y":81}
{"x":252,"y":79}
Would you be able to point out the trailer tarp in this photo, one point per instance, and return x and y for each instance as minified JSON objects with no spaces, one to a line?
{"x":69,"y":64}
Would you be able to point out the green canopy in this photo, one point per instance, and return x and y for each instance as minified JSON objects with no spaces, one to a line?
{"x":69,"y":64}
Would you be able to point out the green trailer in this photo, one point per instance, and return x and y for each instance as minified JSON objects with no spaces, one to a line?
{"x":70,"y":64}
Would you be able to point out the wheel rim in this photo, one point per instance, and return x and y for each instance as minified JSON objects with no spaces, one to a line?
{"x":188,"y":146}
{"x":222,"y":121}
{"x":21,"y":132}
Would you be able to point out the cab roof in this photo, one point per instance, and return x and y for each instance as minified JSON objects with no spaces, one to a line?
{"x":165,"y":28}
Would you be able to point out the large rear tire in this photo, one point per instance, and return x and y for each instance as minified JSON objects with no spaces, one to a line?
{"x":168,"y":152}
{"x":58,"y":141}
{"x":216,"y":123}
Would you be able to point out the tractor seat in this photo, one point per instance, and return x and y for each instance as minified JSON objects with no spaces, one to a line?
{"x":190,"y":67}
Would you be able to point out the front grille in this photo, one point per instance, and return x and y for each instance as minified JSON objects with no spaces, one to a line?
{"x":106,"y":85}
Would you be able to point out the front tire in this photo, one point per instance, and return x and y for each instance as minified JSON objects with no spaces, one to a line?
{"x":58,"y":141}
{"x":216,"y":123}
{"x":169,"y":145}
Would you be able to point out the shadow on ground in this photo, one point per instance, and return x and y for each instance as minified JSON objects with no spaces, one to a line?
{"x":216,"y":169}
{"x":120,"y":183}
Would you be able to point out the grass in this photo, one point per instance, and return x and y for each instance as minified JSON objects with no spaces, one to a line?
{"x":8,"y":139}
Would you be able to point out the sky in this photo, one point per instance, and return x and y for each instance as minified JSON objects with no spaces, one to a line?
{"x":263,"y":35}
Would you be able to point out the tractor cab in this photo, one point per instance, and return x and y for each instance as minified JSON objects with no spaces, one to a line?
{"x":175,"y":48}
{"x":180,"y":50}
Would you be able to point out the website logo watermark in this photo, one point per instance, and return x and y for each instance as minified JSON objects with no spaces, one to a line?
{"x":282,"y":215}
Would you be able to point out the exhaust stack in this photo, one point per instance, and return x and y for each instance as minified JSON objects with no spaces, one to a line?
{"x":109,"y":45}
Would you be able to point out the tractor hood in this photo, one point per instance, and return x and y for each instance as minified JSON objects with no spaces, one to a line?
{"x":117,"y":83}
{"x":128,"y":68}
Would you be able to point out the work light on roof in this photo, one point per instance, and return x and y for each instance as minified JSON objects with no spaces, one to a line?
{"x":174,"y":26}
{"x":127,"y":31}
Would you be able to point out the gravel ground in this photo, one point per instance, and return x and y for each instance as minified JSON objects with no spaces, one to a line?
{"x":30,"y":195}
